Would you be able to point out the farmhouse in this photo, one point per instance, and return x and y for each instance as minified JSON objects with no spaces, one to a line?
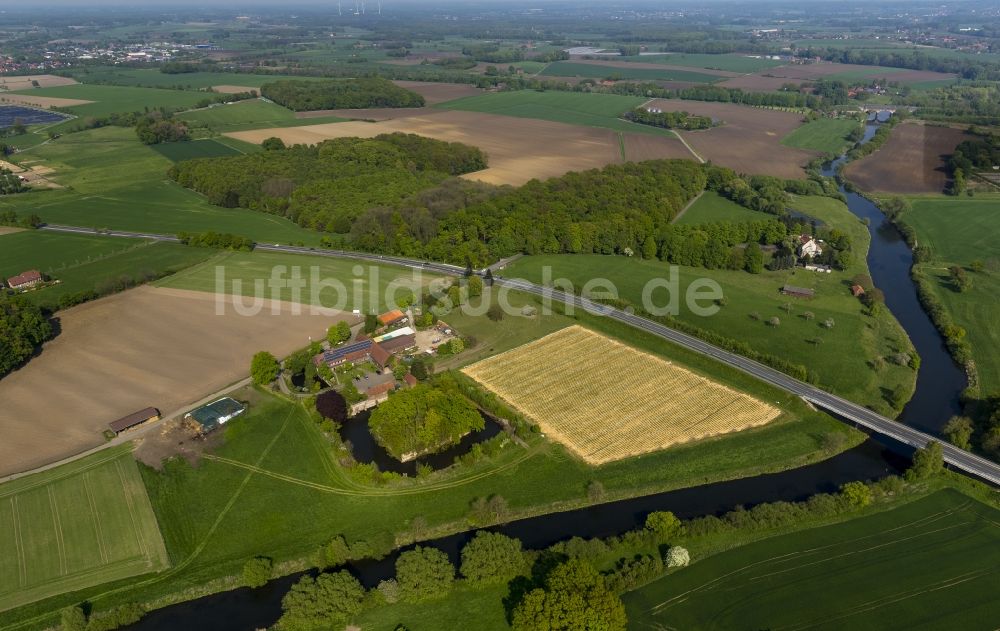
{"x":25,"y":280}
{"x":809,"y":246}
{"x":399,"y":344}
{"x":392,"y":318}
{"x":354,"y":352}
{"x":134,"y":420}
{"x":798,"y":292}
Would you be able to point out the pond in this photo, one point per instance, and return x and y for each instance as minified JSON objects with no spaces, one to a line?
{"x":366,"y":450}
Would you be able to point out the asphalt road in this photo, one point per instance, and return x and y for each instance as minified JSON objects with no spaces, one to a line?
{"x":957,"y":458}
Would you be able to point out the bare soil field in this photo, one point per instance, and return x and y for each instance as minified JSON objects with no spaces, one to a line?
{"x":9,"y":230}
{"x":651,"y":66}
{"x":157,"y":347}
{"x":25,"y":83}
{"x":639,"y":147}
{"x":749,"y":141}
{"x":435,"y":93}
{"x":40,"y":101}
{"x":519,"y":149}
{"x":233,"y":89}
{"x":911,"y":161}
{"x":560,"y":383}
{"x":807,"y":72}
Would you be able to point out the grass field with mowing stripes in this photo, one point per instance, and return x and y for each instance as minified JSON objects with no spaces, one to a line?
{"x":931,"y":564}
{"x":78,"y":525}
{"x":589,"y":110}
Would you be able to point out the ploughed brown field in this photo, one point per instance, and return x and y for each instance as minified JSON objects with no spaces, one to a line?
{"x":913,"y":160}
{"x":756,"y":83}
{"x":164,"y":348}
{"x":773,"y":78}
{"x":40,"y":101}
{"x":519,"y":149}
{"x":26,"y":82}
{"x":435,"y":93}
{"x":748,"y":141}
{"x":233,"y":89}
{"x":561,"y":382}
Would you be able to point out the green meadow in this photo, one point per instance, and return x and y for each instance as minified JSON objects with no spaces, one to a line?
{"x":574,"y":108}
{"x":930,"y":564}
{"x":712,"y":207}
{"x":730,"y":63}
{"x":590,"y":71}
{"x":91,"y":165}
{"x":109,"y":99}
{"x":205,"y":148}
{"x":826,"y":135}
{"x":76,"y":526}
{"x":842,"y":357}
{"x":153,"y":78}
{"x":253,"y":114}
{"x":960,"y":231}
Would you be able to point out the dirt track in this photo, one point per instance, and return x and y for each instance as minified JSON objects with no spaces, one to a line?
{"x":912,"y":161}
{"x":144,"y":347}
{"x":519,"y":149}
{"x":749,"y":141}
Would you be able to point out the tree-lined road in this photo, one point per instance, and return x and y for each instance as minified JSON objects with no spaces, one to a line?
{"x":957,"y":458}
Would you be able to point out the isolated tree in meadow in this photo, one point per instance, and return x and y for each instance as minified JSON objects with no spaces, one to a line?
{"x":857,"y":494}
{"x":574,"y":596}
{"x":828,"y":323}
{"x":808,"y":315}
{"x":495,"y":312}
{"x":595,"y":491}
{"x":492,"y":558}
{"x":755,"y":315}
{"x":774,"y":321}
{"x":958,"y":430}
{"x":257,"y":571}
{"x":332,"y":405}
{"x":959,"y":279}
{"x":475,"y":286}
{"x":339,"y":332}
{"x":753,"y":259}
{"x":424,"y":573}
{"x":678,"y":557}
{"x":264,"y":368}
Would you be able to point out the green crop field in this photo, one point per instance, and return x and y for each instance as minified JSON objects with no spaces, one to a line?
{"x":712,"y":207}
{"x":840,"y":360}
{"x":75,"y":526}
{"x":960,"y":231}
{"x":244,"y":115}
{"x":826,"y":135}
{"x":730,"y":63}
{"x":207,"y":148}
{"x":590,"y":71}
{"x":83,"y":263}
{"x":91,"y":163}
{"x":930,"y":564}
{"x":109,"y":99}
{"x":574,"y":108}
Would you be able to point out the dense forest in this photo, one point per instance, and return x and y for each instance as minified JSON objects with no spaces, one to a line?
{"x":607,"y":211}
{"x":424,"y":418}
{"x":668,"y":120}
{"x":23,"y":327}
{"x":326,"y":186}
{"x":343,"y":94}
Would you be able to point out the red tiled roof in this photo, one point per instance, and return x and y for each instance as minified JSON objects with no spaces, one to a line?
{"x":379,"y":355}
{"x":410,"y":379}
{"x":391,"y":316}
{"x":400,"y":343}
{"x":31,"y":276}
{"x":381,"y":388}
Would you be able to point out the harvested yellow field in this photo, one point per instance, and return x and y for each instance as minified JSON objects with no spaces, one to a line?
{"x":28,"y":82}
{"x":233,"y":89}
{"x":40,"y":101}
{"x":606,"y":401}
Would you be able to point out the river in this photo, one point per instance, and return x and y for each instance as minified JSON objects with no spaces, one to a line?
{"x":939,"y":382}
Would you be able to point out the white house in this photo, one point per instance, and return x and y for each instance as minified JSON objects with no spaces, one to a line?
{"x":809,"y":246}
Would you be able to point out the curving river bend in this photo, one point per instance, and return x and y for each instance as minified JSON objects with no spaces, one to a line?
{"x":939,"y":383}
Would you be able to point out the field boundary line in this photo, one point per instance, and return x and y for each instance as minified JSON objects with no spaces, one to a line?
{"x":60,"y":543}
{"x":22,"y":562}
{"x":685,"y":143}
{"x":96,"y":516}
{"x":131,"y":511}
{"x":688,"y":205}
